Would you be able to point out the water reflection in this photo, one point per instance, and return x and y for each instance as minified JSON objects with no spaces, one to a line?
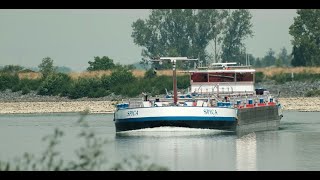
{"x":182,"y":148}
{"x":246,"y":153}
{"x":172,"y":132}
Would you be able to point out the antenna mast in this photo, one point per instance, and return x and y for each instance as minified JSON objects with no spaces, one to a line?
{"x":173,"y":60}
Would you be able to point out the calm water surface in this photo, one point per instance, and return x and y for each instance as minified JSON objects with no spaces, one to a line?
{"x":296,"y":146}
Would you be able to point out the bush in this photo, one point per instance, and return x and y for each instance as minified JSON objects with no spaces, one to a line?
{"x":31,"y":84}
{"x":55,"y":84}
{"x":96,"y":93}
{"x":103,"y":63}
{"x":106,"y":82}
{"x":282,"y":78}
{"x":313,"y":93}
{"x":259,"y":77}
{"x":121,"y":76}
{"x":46,"y":67}
{"x":150,"y":74}
{"x":12,"y":69}
{"x":83,"y":87}
{"x":25,"y":90}
{"x":8,"y":81}
{"x":183,"y":82}
{"x":305,"y":76}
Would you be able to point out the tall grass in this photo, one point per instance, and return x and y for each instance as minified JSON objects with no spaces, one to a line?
{"x":29,"y":75}
{"x":99,"y":74}
{"x":271,"y":71}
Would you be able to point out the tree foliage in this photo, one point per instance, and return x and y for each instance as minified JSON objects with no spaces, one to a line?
{"x":178,"y":32}
{"x":12,"y":69}
{"x":46,"y":67}
{"x":306,"y":38}
{"x":284,"y":58}
{"x":269,"y":59}
{"x":238,"y":28}
{"x":104,"y":63}
{"x":63,"y":69}
{"x":298,"y":56}
{"x":55,"y":84}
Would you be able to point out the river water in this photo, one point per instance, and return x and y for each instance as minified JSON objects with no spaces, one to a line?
{"x":295,"y":146}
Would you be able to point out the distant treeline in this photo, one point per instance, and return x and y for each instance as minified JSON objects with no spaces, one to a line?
{"x":120,"y":82}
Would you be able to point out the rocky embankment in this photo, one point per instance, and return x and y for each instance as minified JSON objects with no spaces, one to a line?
{"x":292,"y":97}
{"x":290,"y":88}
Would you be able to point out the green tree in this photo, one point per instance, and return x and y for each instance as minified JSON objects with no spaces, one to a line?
{"x":257,"y":63}
{"x":284,"y":58}
{"x":126,"y":66}
{"x":151,"y":73}
{"x":278,"y":62}
{"x":269,"y":59}
{"x":298,"y":56}
{"x":63,"y":69}
{"x":46,"y":67}
{"x":178,"y":32}
{"x":12,"y":69}
{"x":238,"y":28}
{"x":8,"y":81}
{"x":306,"y":38}
{"x":55,"y":84}
{"x":104,"y":63}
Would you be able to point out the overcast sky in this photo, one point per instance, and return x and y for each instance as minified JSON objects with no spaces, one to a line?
{"x":73,"y":37}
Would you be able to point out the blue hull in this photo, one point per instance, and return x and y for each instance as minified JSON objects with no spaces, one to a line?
{"x":223,"y":123}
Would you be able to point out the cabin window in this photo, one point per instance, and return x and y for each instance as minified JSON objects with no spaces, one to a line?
{"x":221,"y":77}
{"x":245,"y":76}
{"x":199,"y":77}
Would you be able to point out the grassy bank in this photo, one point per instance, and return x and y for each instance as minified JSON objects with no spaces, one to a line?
{"x":93,"y":74}
{"x":131,"y":83}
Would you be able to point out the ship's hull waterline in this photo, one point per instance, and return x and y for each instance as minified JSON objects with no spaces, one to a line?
{"x":220,"y":118}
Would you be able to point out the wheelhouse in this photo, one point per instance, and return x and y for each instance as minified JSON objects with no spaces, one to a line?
{"x":229,"y":80}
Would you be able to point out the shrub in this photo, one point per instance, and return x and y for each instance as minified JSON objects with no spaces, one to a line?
{"x":46,"y":67}
{"x":12,"y":69}
{"x":282,"y":78}
{"x":8,"y":81}
{"x":103,"y":63}
{"x":121,"y":76}
{"x":25,"y":90}
{"x":55,"y":84}
{"x":259,"y":77}
{"x":82,"y":87}
{"x":99,"y":92}
{"x":150,"y":74}
{"x":31,"y":84}
{"x":313,"y":93}
{"x":183,"y":82}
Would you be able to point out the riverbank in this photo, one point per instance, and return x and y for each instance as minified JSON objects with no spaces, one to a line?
{"x":57,"y":107}
{"x":304,"y":104}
